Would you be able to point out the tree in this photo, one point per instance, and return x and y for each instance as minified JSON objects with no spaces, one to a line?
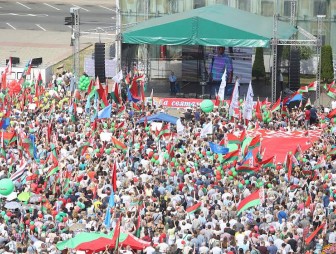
{"x":258,"y":69}
{"x":327,"y":70}
{"x":305,"y":52}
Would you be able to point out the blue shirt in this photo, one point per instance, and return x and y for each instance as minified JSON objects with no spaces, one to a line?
{"x":172,"y":78}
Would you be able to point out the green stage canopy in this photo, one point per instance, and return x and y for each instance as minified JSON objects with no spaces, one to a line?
{"x":215,"y":25}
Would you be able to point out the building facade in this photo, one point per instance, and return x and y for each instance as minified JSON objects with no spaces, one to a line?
{"x":134,"y":11}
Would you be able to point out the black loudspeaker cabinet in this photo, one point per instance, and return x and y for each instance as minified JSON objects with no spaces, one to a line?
{"x":15,"y":60}
{"x":294,"y":68}
{"x":99,"y":57}
{"x":36,"y":62}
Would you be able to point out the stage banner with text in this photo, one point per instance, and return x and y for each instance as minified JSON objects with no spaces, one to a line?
{"x":176,"y":102}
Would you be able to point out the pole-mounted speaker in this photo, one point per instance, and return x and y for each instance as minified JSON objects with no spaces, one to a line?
{"x":99,"y":57}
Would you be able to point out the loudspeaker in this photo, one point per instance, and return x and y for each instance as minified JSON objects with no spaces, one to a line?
{"x":294,"y":68}
{"x":36,"y":62}
{"x":15,"y":60}
{"x":99,"y":57}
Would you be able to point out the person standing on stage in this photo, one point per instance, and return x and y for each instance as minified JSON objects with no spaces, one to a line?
{"x":172,"y":80}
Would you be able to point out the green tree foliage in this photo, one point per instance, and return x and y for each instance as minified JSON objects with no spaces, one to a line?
{"x":258,"y":69}
{"x":305,"y":52}
{"x":327,"y":70}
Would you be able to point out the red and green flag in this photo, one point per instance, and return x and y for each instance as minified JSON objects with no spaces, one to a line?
{"x":232,"y":139}
{"x":258,"y":112}
{"x":194,"y":208}
{"x":303,"y":89}
{"x":231,"y":156}
{"x":247,"y":169}
{"x":82,"y":149}
{"x":298,"y":152}
{"x":9,"y":137}
{"x":118,"y":144}
{"x":276,"y":105}
{"x":28,"y":146}
{"x":165,"y":131}
{"x":250,"y":201}
{"x":53,"y":154}
{"x":312,"y":86}
{"x":268,"y":163}
{"x":52,"y":171}
{"x":255,"y":142}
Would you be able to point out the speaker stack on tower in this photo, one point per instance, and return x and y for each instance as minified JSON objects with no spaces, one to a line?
{"x":99,"y":57}
{"x":294,"y":68}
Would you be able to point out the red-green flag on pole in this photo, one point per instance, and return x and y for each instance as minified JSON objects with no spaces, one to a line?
{"x":268,"y":163}
{"x":116,"y":234}
{"x":315,"y":233}
{"x":82,"y":149}
{"x":232,"y":139}
{"x":165,"y":131}
{"x":250,"y":201}
{"x":232,"y":156}
{"x":114,"y":177}
{"x":276,"y":105}
{"x":118,"y":144}
{"x":255,"y":142}
{"x":196,"y":207}
{"x":247,"y":169}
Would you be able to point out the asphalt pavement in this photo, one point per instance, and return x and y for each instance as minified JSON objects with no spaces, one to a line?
{"x":49,"y":16}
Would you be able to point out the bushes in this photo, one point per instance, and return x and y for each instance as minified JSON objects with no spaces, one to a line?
{"x":258,"y":68}
{"x":327,"y":70}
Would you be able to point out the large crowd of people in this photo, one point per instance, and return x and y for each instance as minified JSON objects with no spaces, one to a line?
{"x":158,"y":177}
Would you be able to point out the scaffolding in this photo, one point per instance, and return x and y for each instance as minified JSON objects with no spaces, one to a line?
{"x":308,"y":40}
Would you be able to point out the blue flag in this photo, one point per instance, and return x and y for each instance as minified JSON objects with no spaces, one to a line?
{"x":5,"y":123}
{"x":32,"y":138}
{"x":105,"y":112}
{"x":248,"y":156}
{"x":107,"y":221}
{"x":218,"y":149}
{"x":130,"y":97}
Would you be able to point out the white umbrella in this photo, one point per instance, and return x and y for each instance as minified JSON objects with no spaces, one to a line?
{"x":12,"y":205}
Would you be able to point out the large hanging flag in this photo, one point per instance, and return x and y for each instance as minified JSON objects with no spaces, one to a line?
{"x":248,"y":105}
{"x":118,"y":144}
{"x":234,"y":103}
{"x":312,"y":86}
{"x":317,"y":231}
{"x":276,"y":105}
{"x":194,"y":208}
{"x":250,"y":201}
{"x":221,"y":90}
